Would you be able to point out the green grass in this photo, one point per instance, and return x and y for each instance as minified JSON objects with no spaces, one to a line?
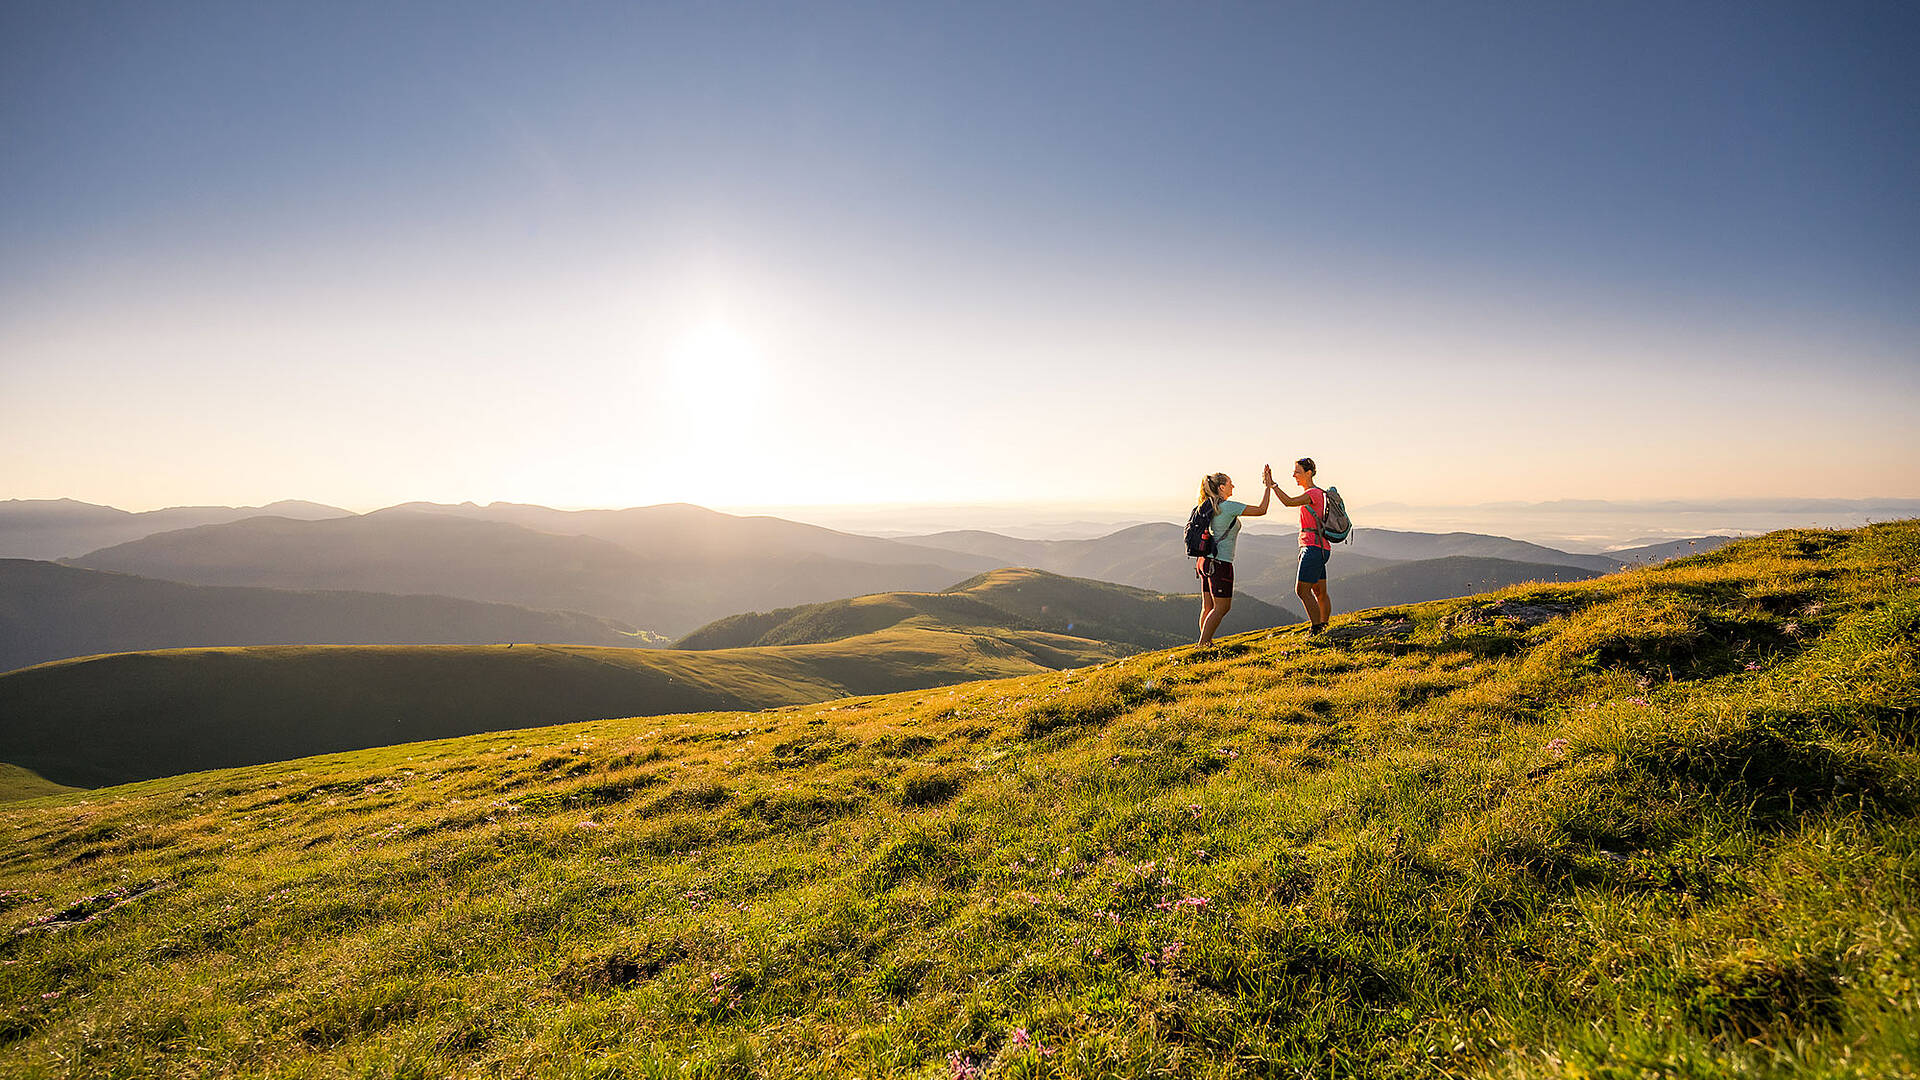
{"x":130,"y":716}
{"x":1658,"y":824}
{"x":17,"y":783}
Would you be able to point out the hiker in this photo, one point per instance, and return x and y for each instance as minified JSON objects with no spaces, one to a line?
{"x":1216,"y":570}
{"x":1314,"y":546}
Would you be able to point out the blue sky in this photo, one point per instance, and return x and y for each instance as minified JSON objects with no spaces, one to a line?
{"x":827,"y":253}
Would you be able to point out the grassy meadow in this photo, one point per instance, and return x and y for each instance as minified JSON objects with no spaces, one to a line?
{"x":133,"y":716}
{"x":1657,"y":824}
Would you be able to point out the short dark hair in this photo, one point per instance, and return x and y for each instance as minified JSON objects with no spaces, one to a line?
{"x":1307,"y":464}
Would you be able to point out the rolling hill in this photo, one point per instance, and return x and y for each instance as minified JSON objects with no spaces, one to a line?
{"x":17,"y":783}
{"x":1661,"y":550}
{"x":130,"y":716}
{"x":1438,"y":579}
{"x":706,"y":534}
{"x":1147,"y":556}
{"x":1013,"y":599}
{"x":54,"y":612}
{"x":1657,"y":823}
{"x":110,"y":719}
{"x":414,"y":552}
{"x":64,"y":528}
{"x":1411,"y":546}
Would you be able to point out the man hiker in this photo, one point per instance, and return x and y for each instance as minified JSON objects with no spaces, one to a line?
{"x":1314,"y":546}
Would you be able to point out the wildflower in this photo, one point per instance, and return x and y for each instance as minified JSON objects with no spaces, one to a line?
{"x":1640,"y":701}
{"x":1557,"y":747}
{"x":1792,"y":629}
{"x":1020,"y":1038}
{"x":1753,"y":665}
{"x":1193,"y":808}
{"x":589,"y":824}
{"x":50,"y":996}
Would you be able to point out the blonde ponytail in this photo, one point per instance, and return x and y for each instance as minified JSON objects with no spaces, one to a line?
{"x":1210,"y":489}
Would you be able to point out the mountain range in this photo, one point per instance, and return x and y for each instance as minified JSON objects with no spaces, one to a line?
{"x":643,"y":575}
{"x":53,"y":612}
{"x":63,"y":528}
{"x":701,"y":565}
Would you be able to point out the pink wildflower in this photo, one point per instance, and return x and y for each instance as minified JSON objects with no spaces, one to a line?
{"x":1020,"y":1038}
{"x":1557,"y":747}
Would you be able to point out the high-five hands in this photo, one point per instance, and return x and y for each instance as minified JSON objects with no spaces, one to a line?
{"x":1266,"y":475}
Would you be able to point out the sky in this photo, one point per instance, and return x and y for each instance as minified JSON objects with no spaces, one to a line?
{"x":793,"y":254}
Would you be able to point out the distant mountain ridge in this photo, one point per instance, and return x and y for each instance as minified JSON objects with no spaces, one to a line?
{"x":1011,"y":599}
{"x":65,"y":528}
{"x":49,"y":611}
{"x":1148,"y":556}
{"x":699,"y":570}
{"x":1443,"y":578}
{"x":673,"y":568}
{"x":1411,"y":546}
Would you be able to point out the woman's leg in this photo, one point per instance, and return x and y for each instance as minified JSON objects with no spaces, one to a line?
{"x":1212,"y":620}
{"x":1206,"y":611}
{"x":1326,"y":605}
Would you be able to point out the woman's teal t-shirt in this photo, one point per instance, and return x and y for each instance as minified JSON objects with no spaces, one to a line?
{"x":1226,"y":528}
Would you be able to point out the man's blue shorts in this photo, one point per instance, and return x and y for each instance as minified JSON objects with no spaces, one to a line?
{"x":1313,"y":564}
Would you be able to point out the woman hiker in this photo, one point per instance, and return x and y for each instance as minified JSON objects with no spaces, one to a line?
{"x":1314,"y":548}
{"x":1216,"y":571}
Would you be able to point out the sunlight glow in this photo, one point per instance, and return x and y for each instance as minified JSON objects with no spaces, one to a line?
{"x":714,"y":357}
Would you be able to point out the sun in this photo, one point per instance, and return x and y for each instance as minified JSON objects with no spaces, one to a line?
{"x":715,"y":354}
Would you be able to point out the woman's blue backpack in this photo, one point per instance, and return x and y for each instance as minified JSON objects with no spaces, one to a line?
{"x":1200,"y":542}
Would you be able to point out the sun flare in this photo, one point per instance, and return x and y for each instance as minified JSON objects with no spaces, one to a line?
{"x":716,"y":354}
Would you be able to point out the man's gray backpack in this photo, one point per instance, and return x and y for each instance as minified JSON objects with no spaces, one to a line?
{"x":1336,"y":526}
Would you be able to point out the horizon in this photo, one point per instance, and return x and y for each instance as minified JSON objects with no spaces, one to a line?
{"x":1575,"y":526}
{"x":750,"y":254}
